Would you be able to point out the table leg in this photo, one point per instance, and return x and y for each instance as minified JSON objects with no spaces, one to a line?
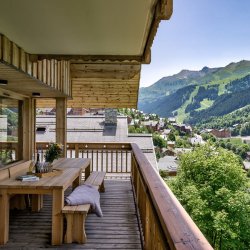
{"x":77,"y":181}
{"x":4,"y":217}
{"x":57,"y":218}
{"x":87,"y":172}
{"x":36,"y":202}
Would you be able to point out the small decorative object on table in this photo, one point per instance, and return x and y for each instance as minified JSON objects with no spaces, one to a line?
{"x":45,"y":169}
{"x":52,"y":153}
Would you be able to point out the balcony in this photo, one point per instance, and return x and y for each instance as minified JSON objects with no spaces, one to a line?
{"x":140,"y":211}
{"x":95,"y":61}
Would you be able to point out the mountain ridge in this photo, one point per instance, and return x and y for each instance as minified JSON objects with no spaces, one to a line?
{"x":169,"y":92}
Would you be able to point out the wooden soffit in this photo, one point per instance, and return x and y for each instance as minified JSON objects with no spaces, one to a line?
{"x":22,"y":83}
{"x":85,"y":30}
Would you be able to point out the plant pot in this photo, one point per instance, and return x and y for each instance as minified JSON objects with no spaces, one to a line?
{"x":48,"y":167}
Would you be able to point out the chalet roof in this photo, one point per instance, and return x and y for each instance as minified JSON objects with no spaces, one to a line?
{"x":168,"y":163}
{"x":92,"y":129}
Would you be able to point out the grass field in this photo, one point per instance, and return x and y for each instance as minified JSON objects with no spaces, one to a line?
{"x":205,"y":103}
{"x":181,"y":111}
{"x":235,"y":141}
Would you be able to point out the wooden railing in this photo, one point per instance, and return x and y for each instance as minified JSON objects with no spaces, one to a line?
{"x":113,"y":158}
{"x":164,"y":222}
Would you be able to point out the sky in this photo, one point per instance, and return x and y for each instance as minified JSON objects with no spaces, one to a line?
{"x":200,"y":33}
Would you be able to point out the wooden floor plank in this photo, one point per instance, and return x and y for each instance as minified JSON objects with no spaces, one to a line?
{"x":117,"y":229}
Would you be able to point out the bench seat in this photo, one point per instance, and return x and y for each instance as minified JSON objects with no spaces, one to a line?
{"x":75,"y":217}
{"x":96,"y":178}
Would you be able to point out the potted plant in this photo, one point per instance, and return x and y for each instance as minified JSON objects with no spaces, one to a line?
{"x":53,"y":152}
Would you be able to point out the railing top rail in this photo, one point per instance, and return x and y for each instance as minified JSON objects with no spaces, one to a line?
{"x":93,"y":145}
{"x":177,"y":225}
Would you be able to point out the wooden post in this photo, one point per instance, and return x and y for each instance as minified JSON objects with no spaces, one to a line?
{"x":27,"y":129}
{"x":21,"y":129}
{"x":57,"y":219}
{"x":4,"y":217}
{"x":33,"y":127}
{"x":61,"y":123}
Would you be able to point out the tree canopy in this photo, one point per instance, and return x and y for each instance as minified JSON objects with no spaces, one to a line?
{"x":212,"y":187}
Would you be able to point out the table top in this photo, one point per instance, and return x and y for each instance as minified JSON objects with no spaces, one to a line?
{"x":70,"y":168}
{"x":62,"y":163}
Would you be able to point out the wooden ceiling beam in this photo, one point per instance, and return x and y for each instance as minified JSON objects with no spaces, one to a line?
{"x":110,"y":71}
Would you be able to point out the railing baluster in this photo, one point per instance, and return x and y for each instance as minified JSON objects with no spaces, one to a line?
{"x":102,"y":152}
{"x":107,"y":161}
{"x":116,"y":167}
{"x":97,"y":160}
{"x":121,"y":161}
{"x":112,"y":161}
{"x":92,"y":162}
{"x":77,"y":150}
{"x":126,"y":161}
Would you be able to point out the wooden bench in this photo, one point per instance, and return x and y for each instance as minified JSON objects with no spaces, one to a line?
{"x":16,"y":201}
{"x":96,"y":178}
{"x":76,"y":215}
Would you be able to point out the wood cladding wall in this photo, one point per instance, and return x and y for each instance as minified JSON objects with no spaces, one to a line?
{"x":100,"y":93}
{"x":104,"y":92}
{"x":54,"y":73}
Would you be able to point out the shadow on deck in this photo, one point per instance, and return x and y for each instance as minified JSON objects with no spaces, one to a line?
{"x":117,"y":229}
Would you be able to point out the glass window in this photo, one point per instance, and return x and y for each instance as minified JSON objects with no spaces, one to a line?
{"x":10,"y":130}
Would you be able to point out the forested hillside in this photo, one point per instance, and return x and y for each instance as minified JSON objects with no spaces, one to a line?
{"x":239,"y":116}
{"x":166,"y":105}
{"x":224,"y":104}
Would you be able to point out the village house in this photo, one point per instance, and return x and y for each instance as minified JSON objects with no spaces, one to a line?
{"x":183,"y":128}
{"x":221,"y":133}
{"x":196,"y":140}
{"x":151,"y":125}
{"x":171,"y":144}
{"x":171,"y":120}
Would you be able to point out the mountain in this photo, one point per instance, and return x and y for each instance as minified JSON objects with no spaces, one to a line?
{"x":170,"y":84}
{"x":195,"y":95}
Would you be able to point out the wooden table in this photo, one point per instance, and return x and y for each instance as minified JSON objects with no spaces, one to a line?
{"x":54,"y":185}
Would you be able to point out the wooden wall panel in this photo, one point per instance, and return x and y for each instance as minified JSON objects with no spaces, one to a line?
{"x":43,"y":70}
{"x":23,"y":60}
{"x":105,"y":93}
{"x":15,"y":55}
{"x":6,"y":49}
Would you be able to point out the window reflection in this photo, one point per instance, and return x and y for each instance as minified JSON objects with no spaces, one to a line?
{"x":9,"y":130}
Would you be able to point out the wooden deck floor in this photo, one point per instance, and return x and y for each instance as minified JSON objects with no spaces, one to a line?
{"x":117,"y":229}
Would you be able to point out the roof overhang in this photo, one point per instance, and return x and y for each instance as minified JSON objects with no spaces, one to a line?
{"x":86,"y":30}
{"x":104,"y":41}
